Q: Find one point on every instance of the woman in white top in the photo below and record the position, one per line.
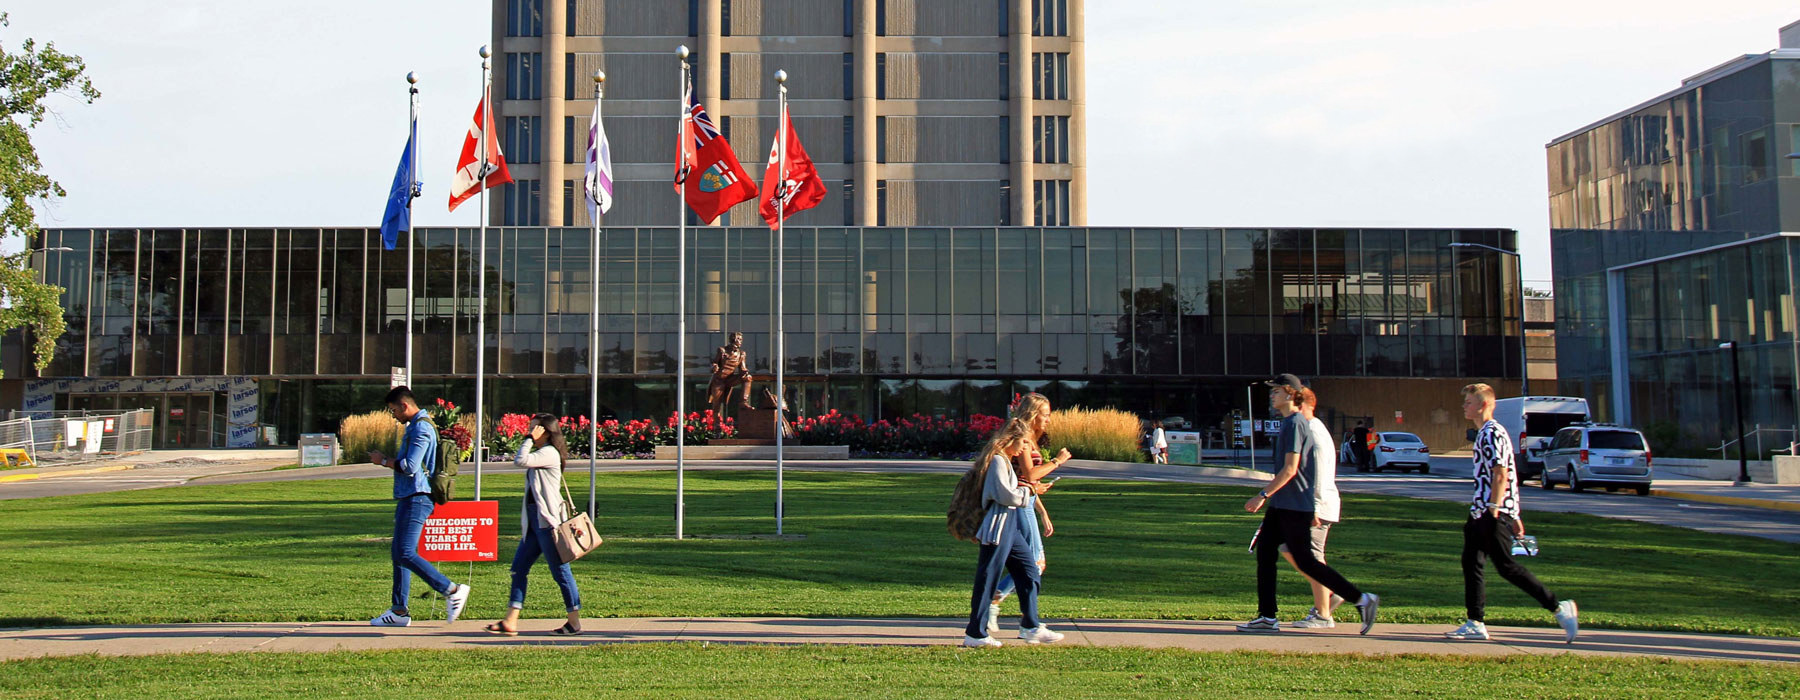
(543, 456)
(1159, 444)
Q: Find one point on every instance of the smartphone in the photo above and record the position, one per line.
(1051, 480)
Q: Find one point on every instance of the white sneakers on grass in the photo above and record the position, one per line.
(1039, 635)
(1470, 631)
(1314, 620)
(1570, 620)
(390, 619)
(1567, 617)
(455, 602)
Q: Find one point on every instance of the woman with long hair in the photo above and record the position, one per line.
(543, 457)
(1009, 467)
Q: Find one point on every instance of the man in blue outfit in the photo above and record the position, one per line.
(413, 468)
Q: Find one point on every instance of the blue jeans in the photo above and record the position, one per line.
(539, 541)
(409, 518)
(1010, 554)
(1034, 542)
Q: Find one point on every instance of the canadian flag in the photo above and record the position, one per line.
(801, 188)
(467, 180)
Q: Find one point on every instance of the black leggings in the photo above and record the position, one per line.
(1294, 529)
(1487, 538)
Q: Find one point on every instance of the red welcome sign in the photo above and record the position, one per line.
(462, 531)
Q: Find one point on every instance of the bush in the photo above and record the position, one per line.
(916, 436)
(375, 430)
(1104, 434)
(635, 438)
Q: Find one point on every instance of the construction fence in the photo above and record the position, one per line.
(46, 438)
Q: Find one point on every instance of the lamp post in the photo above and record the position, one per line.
(1737, 407)
(1524, 363)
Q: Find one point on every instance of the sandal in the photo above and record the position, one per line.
(567, 630)
(502, 630)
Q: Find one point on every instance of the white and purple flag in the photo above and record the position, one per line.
(599, 167)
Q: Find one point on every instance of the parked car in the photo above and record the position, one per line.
(1598, 454)
(1401, 451)
(1532, 421)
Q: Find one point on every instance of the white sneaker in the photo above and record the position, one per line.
(982, 643)
(1314, 620)
(1368, 606)
(1570, 619)
(993, 619)
(1336, 600)
(454, 603)
(1469, 631)
(1261, 624)
(1039, 635)
(389, 619)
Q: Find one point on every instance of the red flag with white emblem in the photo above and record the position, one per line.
(791, 177)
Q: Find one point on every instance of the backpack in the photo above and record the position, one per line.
(965, 514)
(443, 479)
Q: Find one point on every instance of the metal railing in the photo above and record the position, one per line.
(72, 437)
(1757, 434)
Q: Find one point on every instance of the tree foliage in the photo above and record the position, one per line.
(28, 77)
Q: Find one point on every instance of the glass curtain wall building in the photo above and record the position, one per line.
(1701, 166)
(882, 322)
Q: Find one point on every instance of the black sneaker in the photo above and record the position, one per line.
(1261, 625)
(1368, 606)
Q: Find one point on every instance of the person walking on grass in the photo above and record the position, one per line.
(1326, 509)
(543, 456)
(1291, 497)
(986, 509)
(1494, 520)
(413, 468)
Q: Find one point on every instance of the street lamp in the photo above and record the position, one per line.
(1524, 364)
(1737, 407)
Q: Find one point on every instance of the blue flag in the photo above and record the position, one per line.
(398, 216)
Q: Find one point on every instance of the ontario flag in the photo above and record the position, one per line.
(468, 180)
(706, 169)
(791, 178)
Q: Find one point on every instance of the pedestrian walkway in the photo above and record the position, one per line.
(1181, 634)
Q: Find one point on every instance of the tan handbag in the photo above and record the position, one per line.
(575, 536)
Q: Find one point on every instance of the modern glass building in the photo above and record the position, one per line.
(1675, 313)
(291, 329)
(1701, 166)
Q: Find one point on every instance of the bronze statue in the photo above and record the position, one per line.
(731, 369)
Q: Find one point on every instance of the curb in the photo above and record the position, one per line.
(72, 472)
(1729, 500)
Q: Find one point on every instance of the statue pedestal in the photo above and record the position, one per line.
(757, 424)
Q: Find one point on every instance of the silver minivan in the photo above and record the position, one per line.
(1598, 455)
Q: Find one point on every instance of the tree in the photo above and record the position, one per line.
(27, 78)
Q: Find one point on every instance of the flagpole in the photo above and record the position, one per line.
(481, 162)
(412, 190)
(681, 317)
(780, 285)
(594, 309)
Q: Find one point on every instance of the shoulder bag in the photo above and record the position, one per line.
(575, 536)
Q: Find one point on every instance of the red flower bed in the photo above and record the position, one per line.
(913, 436)
(630, 438)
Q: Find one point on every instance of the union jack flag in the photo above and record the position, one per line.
(696, 129)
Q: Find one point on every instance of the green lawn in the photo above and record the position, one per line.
(871, 545)
(688, 670)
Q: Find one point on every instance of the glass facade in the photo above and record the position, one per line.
(1675, 314)
(1699, 167)
(880, 321)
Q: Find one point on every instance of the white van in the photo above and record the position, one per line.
(1532, 421)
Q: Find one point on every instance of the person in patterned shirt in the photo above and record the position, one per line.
(1494, 520)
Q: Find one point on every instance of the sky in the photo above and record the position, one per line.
(1286, 113)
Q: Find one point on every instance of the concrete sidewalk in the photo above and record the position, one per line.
(1193, 635)
(1725, 493)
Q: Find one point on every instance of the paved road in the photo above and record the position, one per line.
(1448, 481)
(1183, 634)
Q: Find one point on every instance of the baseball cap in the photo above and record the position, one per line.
(1287, 380)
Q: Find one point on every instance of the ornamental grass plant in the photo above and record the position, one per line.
(375, 430)
(1098, 433)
